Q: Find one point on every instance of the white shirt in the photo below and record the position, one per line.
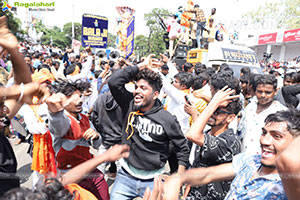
(254, 123)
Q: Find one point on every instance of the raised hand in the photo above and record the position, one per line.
(147, 63)
(223, 97)
(34, 89)
(7, 40)
(57, 102)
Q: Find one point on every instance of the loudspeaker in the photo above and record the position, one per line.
(181, 51)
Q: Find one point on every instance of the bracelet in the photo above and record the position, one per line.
(22, 93)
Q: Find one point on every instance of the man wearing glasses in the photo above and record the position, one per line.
(217, 145)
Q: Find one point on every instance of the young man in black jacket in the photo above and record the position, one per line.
(147, 129)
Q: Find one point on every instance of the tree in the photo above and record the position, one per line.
(291, 15)
(67, 29)
(111, 40)
(156, 44)
(14, 24)
(285, 14)
(140, 44)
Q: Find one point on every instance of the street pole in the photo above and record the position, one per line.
(73, 35)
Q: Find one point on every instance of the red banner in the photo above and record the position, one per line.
(267, 38)
(291, 35)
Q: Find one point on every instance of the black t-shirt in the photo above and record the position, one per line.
(215, 150)
(8, 166)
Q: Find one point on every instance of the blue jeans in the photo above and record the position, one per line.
(129, 187)
(200, 28)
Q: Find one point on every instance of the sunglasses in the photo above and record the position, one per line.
(219, 111)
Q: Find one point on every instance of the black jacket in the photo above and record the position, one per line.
(152, 130)
(107, 119)
(290, 94)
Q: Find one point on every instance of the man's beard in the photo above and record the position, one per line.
(268, 166)
(138, 107)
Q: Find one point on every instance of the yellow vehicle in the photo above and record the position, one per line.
(197, 56)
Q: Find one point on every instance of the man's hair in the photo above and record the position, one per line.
(266, 79)
(41, 66)
(244, 79)
(199, 68)
(70, 69)
(291, 117)
(226, 69)
(53, 190)
(164, 67)
(67, 87)
(245, 70)
(196, 6)
(234, 107)
(221, 79)
(28, 56)
(187, 67)
(47, 57)
(210, 71)
(54, 63)
(292, 76)
(185, 79)
(199, 80)
(151, 77)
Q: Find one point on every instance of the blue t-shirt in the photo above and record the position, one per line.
(243, 187)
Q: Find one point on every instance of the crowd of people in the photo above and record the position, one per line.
(219, 136)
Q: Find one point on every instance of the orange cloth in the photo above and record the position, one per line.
(43, 156)
(186, 16)
(80, 193)
(43, 159)
(42, 76)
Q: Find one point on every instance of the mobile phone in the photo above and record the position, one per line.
(187, 99)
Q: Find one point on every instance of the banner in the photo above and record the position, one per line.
(239, 55)
(291, 35)
(94, 31)
(267, 38)
(123, 22)
(130, 37)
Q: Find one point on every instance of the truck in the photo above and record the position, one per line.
(235, 56)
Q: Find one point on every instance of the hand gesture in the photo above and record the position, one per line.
(223, 98)
(147, 63)
(90, 134)
(7, 40)
(164, 58)
(57, 102)
(33, 89)
(190, 109)
(172, 187)
(157, 193)
(117, 151)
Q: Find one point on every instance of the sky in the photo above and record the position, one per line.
(228, 11)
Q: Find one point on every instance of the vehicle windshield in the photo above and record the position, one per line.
(237, 68)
